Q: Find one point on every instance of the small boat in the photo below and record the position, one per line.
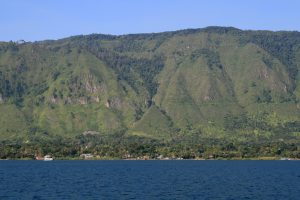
(48, 158)
(284, 158)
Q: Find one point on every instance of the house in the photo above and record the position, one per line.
(86, 156)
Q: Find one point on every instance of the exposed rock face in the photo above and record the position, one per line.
(90, 87)
(1, 99)
(81, 89)
(96, 99)
(114, 102)
(82, 101)
(53, 100)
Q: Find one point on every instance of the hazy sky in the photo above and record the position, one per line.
(52, 19)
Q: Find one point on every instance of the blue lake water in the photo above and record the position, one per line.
(185, 179)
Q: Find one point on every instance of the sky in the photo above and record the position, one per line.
(33, 20)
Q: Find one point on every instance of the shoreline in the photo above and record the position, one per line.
(118, 159)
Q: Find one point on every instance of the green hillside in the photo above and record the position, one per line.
(212, 83)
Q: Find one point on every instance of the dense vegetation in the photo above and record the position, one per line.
(216, 91)
(122, 147)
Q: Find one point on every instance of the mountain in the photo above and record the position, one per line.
(215, 82)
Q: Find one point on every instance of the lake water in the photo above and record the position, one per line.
(185, 179)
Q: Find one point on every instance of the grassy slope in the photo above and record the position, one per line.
(153, 124)
(101, 83)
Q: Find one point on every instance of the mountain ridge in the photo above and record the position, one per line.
(213, 81)
(207, 28)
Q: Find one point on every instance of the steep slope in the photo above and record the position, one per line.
(213, 81)
(154, 123)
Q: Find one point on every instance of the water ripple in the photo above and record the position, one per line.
(149, 180)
